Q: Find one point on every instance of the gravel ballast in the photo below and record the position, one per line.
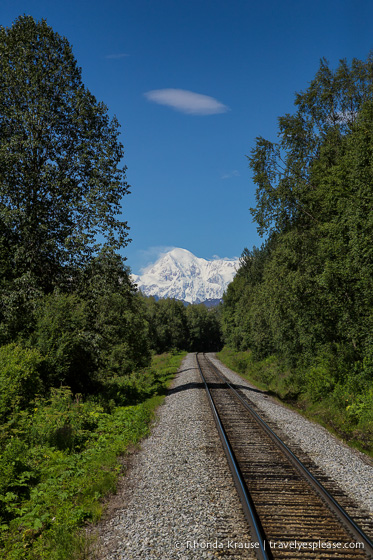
(349, 468)
(178, 501)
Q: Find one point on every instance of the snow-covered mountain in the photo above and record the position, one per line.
(181, 275)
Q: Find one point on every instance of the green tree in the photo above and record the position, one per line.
(167, 324)
(242, 326)
(95, 333)
(308, 291)
(203, 328)
(117, 314)
(64, 335)
(61, 182)
(284, 171)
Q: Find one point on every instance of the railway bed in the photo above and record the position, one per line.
(290, 513)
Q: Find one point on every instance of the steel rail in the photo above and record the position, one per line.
(246, 501)
(333, 505)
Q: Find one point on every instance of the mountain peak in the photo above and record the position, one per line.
(181, 275)
(177, 252)
(179, 255)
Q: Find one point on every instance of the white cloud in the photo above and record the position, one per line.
(116, 56)
(186, 101)
(217, 258)
(233, 173)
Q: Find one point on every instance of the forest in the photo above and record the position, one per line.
(85, 358)
(299, 310)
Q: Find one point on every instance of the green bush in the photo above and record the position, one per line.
(62, 421)
(15, 478)
(64, 336)
(59, 459)
(118, 360)
(21, 371)
(320, 381)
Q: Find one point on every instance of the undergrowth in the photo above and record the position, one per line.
(343, 404)
(60, 459)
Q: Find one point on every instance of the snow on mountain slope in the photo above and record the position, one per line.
(181, 275)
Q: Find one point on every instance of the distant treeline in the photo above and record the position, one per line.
(306, 296)
(84, 335)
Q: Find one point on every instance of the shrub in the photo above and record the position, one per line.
(64, 336)
(15, 477)
(62, 421)
(320, 381)
(21, 371)
(361, 410)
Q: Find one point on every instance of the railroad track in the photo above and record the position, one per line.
(290, 513)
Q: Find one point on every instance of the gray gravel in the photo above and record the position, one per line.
(349, 468)
(178, 499)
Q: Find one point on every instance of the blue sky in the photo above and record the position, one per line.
(193, 83)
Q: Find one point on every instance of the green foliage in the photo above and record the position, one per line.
(307, 292)
(168, 324)
(60, 458)
(21, 377)
(320, 380)
(61, 190)
(172, 325)
(97, 332)
(15, 479)
(361, 408)
(204, 328)
(283, 172)
(75, 335)
(268, 373)
(61, 183)
(117, 315)
(63, 420)
(138, 386)
(64, 336)
(241, 323)
(18, 301)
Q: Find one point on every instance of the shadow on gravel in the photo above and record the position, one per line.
(251, 389)
(186, 387)
(185, 370)
(189, 386)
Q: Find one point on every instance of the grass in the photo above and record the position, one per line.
(344, 412)
(61, 459)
